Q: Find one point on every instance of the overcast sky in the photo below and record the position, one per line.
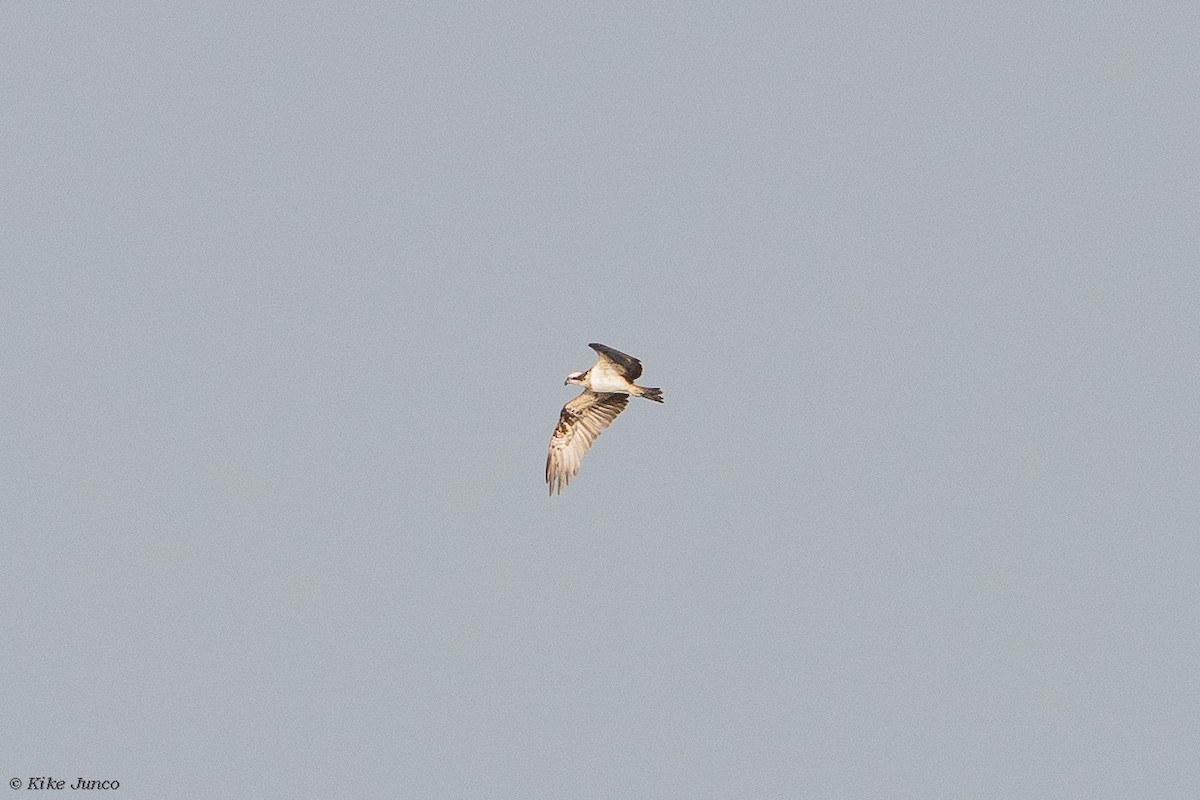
(289, 294)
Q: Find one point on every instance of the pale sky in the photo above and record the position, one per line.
(289, 295)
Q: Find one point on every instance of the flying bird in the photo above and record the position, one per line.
(607, 387)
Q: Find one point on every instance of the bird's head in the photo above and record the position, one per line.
(574, 377)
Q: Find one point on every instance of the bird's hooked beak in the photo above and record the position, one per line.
(574, 377)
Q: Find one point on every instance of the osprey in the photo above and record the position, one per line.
(607, 386)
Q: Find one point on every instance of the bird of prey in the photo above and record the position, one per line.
(607, 387)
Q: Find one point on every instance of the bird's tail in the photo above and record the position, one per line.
(650, 393)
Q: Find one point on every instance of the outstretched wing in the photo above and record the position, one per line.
(626, 365)
(579, 424)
